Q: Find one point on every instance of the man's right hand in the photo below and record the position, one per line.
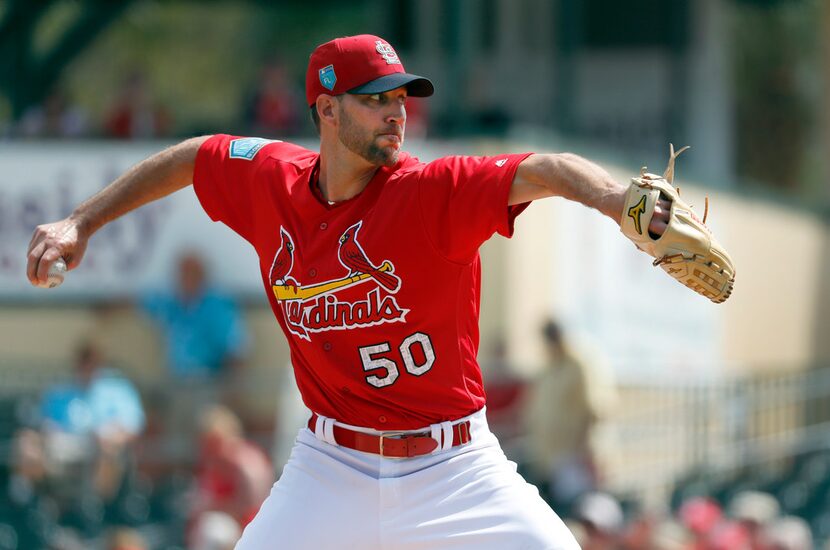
(149, 180)
(63, 239)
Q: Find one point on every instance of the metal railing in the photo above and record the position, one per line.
(663, 431)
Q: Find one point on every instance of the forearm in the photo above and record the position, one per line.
(149, 180)
(572, 177)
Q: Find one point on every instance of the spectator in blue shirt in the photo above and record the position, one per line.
(97, 402)
(206, 342)
(90, 422)
(203, 330)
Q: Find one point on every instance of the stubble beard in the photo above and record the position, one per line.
(359, 142)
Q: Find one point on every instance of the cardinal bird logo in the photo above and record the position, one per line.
(319, 306)
(353, 257)
(283, 260)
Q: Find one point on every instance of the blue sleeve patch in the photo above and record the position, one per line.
(247, 148)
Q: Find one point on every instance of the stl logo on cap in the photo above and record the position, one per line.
(387, 52)
(327, 77)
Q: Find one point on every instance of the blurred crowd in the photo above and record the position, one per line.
(552, 425)
(135, 111)
(104, 464)
(131, 113)
(752, 521)
(273, 107)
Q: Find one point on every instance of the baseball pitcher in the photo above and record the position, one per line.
(369, 259)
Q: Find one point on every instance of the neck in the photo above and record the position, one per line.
(343, 174)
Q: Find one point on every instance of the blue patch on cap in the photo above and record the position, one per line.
(327, 77)
(247, 148)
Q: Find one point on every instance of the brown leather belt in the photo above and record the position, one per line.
(394, 444)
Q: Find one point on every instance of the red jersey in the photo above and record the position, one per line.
(378, 295)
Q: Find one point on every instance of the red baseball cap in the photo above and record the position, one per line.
(363, 64)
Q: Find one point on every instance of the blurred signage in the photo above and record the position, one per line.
(43, 182)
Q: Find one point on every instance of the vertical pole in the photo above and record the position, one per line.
(825, 78)
(568, 31)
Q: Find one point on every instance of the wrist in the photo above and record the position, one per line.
(615, 203)
(83, 222)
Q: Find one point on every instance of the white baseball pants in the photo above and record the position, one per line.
(468, 497)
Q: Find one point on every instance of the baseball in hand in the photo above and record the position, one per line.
(55, 275)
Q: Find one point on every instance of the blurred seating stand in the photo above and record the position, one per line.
(759, 428)
(151, 500)
(20, 388)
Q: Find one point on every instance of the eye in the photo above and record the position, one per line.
(374, 97)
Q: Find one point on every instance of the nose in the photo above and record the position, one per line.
(397, 114)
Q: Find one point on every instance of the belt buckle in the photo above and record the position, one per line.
(390, 435)
(464, 433)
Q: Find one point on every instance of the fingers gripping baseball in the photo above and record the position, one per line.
(51, 242)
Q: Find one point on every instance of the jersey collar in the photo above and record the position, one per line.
(372, 188)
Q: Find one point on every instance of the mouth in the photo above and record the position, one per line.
(394, 138)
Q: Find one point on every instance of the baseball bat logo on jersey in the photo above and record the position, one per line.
(354, 259)
(316, 308)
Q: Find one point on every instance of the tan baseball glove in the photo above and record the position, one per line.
(686, 250)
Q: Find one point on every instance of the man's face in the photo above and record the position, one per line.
(372, 125)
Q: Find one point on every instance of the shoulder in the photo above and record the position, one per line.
(445, 172)
(406, 167)
(450, 166)
(257, 150)
(410, 174)
(474, 171)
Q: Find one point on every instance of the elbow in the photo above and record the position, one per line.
(561, 162)
(548, 170)
(551, 173)
(537, 168)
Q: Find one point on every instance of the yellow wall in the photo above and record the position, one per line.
(776, 318)
(770, 320)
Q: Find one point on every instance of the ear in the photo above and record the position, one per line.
(327, 108)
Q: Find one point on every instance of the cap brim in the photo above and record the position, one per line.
(416, 86)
